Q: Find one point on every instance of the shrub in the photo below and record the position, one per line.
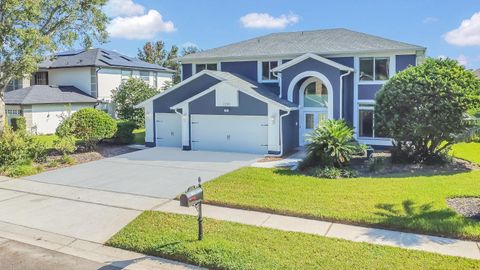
(129, 94)
(23, 169)
(424, 109)
(331, 144)
(66, 159)
(124, 134)
(19, 147)
(89, 125)
(19, 124)
(333, 172)
(377, 164)
(65, 145)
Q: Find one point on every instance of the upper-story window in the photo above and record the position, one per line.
(266, 71)
(145, 76)
(200, 67)
(374, 68)
(126, 74)
(40, 78)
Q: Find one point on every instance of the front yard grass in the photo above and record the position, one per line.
(416, 203)
(228, 245)
(467, 151)
(139, 136)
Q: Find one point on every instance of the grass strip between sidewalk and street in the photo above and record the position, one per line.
(229, 245)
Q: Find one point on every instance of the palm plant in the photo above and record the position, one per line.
(332, 144)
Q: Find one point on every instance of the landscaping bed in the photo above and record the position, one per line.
(228, 245)
(414, 203)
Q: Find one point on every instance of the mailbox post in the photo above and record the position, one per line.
(194, 197)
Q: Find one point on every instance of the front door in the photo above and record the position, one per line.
(309, 120)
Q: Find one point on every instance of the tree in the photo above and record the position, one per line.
(189, 50)
(129, 94)
(31, 29)
(153, 53)
(172, 63)
(424, 109)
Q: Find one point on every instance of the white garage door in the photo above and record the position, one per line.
(230, 133)
(168, 129)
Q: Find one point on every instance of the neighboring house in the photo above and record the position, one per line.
(94, 72)
(266, 94)
(45, 106)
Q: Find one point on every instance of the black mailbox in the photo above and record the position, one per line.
(193, 196)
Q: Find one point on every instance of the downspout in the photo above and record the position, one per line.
(281, 136)
(276, 74)
(341, 92)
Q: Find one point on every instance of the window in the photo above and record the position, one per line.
(366, 127)
(374, 68)
(126, 74)
(315, 95)
(200, 67)
(14, 112)
(40, 78)
(267, 74)
(309, 121)
(145, 76)
(14, 85)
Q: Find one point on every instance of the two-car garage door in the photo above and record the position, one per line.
(233, 133)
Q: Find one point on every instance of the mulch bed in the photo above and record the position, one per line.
(103, 150)
(467, 207)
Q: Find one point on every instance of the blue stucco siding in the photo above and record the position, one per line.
(244, 68)
(247, 105)
(186, 71)
(162, 104)
(368, 91)
(403, 61)
(290, 131)
(332, 74)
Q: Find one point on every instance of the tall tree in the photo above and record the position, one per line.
(153, 53)
(189, 50)
(31, 29)
(172, 63)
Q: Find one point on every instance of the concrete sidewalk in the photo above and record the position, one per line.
(440, 245)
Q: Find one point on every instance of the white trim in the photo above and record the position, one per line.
(341, 92)
(356, 66)
(182, 83)
(324, 80)
(295, 55)
(260, 71)
(312, 56)
(251, 93)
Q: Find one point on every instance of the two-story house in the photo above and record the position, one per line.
(266, 94)
(76, 79)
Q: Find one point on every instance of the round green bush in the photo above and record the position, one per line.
(424, 109)
(89, 125)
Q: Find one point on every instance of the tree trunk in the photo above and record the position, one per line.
(2, 113)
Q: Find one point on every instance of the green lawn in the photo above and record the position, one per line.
(139, 136)
(467, 151)
(405, 203)
(229, 245)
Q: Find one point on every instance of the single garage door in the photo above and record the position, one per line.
(168, 129)
(232, 133)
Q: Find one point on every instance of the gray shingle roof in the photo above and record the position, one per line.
(323, 42)
(242, 82)
(98, 58)
(45, 94)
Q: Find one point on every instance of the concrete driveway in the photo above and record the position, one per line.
(159, 172)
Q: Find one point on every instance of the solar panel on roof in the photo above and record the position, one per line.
(68, 53)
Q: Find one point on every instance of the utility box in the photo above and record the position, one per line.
(193, 196)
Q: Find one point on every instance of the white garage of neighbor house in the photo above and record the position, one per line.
(44, 106)
(217, 111)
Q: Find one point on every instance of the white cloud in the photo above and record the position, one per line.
(265, 20)
(430, 20)
(462, 60)
(115, 8)
(189, 44)
(139, 27)
(468, 33)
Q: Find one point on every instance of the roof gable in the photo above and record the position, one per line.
(315, 57)
(293, 44)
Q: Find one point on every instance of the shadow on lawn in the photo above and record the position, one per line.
(420, 218)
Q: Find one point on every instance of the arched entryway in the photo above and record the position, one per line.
(315, 99)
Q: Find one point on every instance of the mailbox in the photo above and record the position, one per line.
(193, 196)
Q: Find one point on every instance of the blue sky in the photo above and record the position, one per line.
(213, 23)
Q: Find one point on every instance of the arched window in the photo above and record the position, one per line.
(315, 95)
